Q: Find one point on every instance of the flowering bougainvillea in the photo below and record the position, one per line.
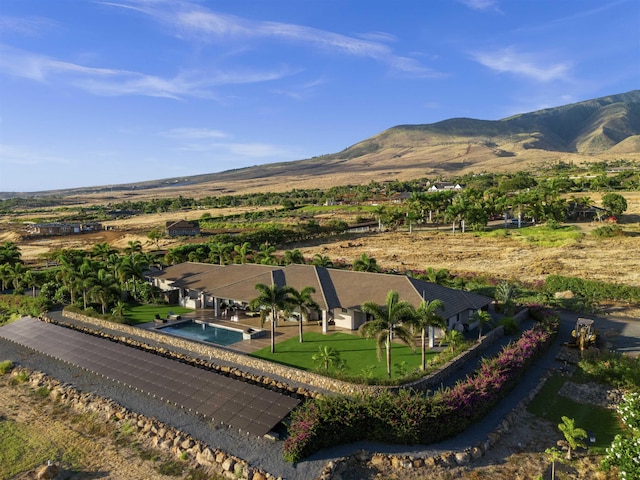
(413, 418)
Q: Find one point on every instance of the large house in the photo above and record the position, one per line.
(182, 228)
(339, 293)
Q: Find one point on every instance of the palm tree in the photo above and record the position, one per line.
(294, 256)
(505, 294)
(9, 253)
(133, 247)
(452, 338)
(386, 324)
(265, 254)
(439, 276)
(131, 269)
(572, 434)
(30, 280)
(105, 288)
(426, 317)
(321, 260)
(219, 252)
(85, 279)
(483, 318)
(5, 274)
(327, 356)
(365, 263)
(242, 252)
(102, 251)
(273, 298)
(303, 301)
(119, 309)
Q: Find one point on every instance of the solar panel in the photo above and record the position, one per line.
(229, 401)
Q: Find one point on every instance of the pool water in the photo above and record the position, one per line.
(205, 332)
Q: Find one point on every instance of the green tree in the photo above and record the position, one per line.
(293, 256)
(387, 324)
(102, 251)
(554, 455)
(242, 252)
(9, 253)
(365, 263)
(265, 255)
(133, 247)
(453, 338)
(105, 289)
(483, 318)
(505, 294)
(303, 301)
(427, 317)
(614, 203)
(322, 260)
(572, 434)
(272, 298)
(154, 237)
(219, 252)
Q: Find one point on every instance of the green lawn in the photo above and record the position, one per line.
(358, 352)
(146, 313)
(602, 422)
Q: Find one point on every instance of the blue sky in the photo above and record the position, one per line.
(111, 92)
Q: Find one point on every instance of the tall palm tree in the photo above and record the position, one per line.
(304, 303)
(219, 252)
(505, 295)
(426, 317)
(9, 253)
(387, 324)
(131, 269)
(5, 275)
(133, 247)
(86, 278)
(102, 251)
(105, 288)
(274, 298)
(365, 263)
(483, 318)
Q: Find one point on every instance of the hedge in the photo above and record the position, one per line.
(410, 417)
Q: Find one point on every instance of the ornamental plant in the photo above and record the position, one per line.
(624, 451)
(409, 417)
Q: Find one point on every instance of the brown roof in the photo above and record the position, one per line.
(335, 288)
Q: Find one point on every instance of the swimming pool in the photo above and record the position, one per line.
(205, 332)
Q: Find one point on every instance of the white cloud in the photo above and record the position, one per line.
(194, 133)
(196, 22)
(113, 82)
(25, 26)
(481, 4)
(508, 60)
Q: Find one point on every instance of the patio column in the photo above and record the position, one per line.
(325, 322)
(216, 306)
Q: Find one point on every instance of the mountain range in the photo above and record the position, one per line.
(605, 128)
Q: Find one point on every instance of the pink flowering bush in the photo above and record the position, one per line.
(409, 417)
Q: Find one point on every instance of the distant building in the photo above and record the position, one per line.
(182, 228)
(61, 228)
(441, 186)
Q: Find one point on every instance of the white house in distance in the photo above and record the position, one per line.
(339, 293)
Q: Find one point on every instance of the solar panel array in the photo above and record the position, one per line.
(224, 400)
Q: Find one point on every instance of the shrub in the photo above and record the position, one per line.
(510, 326)
(624, 451)
(612, 368)
(409, 417)
(608, 231)
(6, 366)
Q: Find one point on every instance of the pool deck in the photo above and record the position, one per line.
(284, 330)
